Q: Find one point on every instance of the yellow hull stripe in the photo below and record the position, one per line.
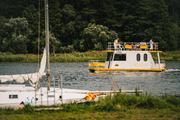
(110, 69)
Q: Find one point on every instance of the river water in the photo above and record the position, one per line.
(77, 76)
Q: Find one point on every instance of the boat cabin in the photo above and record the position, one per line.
(130, 57)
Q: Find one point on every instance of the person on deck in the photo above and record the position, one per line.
(116, 43)
(124, 46)
(155, 47)
(151, 44)
(137, 46)
(132, 45)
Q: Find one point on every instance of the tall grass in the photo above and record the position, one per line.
(11, 59)
(75, 57)
(171, 55)
(122, 101)
(27, 109)
(118, 101)
(60, 57)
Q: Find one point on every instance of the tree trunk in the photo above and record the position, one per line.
(173, 8)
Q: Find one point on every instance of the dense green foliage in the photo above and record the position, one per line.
(16, 32)
(81, 25)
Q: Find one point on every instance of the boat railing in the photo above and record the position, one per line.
(160, 65)
(56, 83)
(97, 63)
(134, 46)
(161, 62)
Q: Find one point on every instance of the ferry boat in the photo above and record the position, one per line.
(131, 56)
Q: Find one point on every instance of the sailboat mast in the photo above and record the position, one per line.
(47, 40)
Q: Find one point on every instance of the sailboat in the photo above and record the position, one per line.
(15, 94)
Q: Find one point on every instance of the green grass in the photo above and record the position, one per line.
(76, 57)
(60, 57)
(117, 106)
(171, 55)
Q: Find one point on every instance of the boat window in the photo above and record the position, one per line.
(138, 57)
(145, 57)
(109, 56)
(120, 57)
(13, 96)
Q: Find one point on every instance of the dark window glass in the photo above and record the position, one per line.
(145, 57)
(120, 57)
(109, 56)
(138, 57)
(13, 96)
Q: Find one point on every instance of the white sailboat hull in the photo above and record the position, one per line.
(13, 95)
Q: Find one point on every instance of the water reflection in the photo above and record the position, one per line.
(77, 76)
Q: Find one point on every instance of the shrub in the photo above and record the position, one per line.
(28, 109)
(68, 49)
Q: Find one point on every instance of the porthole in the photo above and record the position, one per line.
(138, 57)
(13, 96)
(145, 57)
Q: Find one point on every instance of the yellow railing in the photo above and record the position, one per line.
(96, 64)
(128, 46)
(143, 46)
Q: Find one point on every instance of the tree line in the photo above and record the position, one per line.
(82, 25)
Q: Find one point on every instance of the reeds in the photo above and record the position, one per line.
(171, 55)
(76, 57)
(118, 101)
(11, 59)
(27, 109)
(60, 57)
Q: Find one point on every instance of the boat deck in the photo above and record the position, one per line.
(133, 46)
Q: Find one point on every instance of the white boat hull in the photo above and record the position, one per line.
(21, 92)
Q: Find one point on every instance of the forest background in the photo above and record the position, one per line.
(85, 25)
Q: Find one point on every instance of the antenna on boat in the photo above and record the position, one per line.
(47, 41)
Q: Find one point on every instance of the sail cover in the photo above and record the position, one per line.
(32, 77)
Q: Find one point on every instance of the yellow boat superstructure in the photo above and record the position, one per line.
(129, 58)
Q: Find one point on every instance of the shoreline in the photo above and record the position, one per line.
(74, 57)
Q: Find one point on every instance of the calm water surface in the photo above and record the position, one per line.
(76, 76)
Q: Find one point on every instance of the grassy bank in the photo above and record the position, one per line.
(59, 57)
(75, 57)
(171, 56)
(119, 106)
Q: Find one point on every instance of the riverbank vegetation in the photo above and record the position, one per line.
(60, 57)
(171, 55)
(117, 106)
(76, 56)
